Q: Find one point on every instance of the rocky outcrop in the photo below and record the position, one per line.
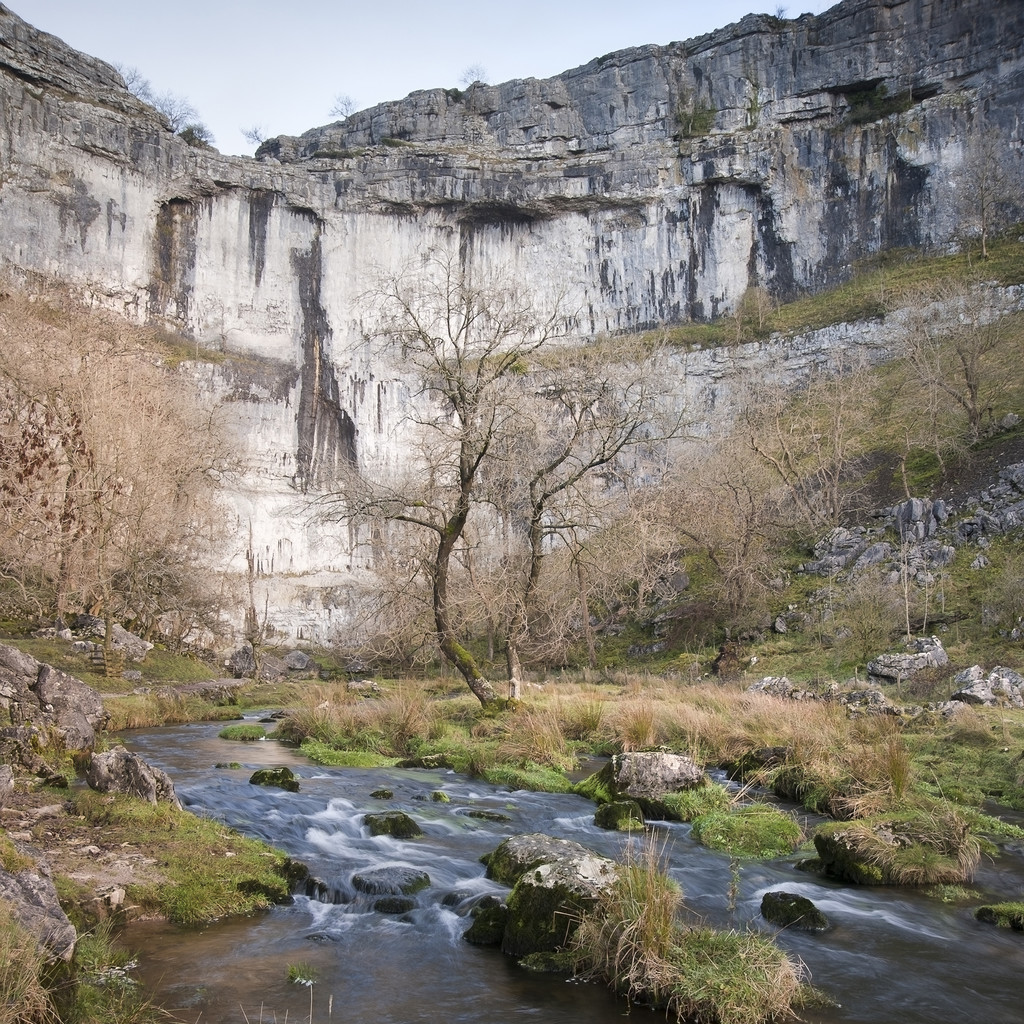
(33, 901)
(120, 771)
(650, 186)
(1002, 687)
(923, 652)
(37, 696)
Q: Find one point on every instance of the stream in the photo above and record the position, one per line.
(890, 955)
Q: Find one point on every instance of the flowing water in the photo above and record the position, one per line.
(891, 954)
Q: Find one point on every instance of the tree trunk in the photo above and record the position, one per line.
(455, 653)
(588, 632)
(515, 670)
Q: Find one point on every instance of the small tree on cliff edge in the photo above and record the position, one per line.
(463, 348)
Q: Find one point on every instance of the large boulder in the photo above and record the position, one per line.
(121, 771)
(1001, 686)
(646, 776)
(32, 693)
(554, 882)
(924, 652)
(33, 901)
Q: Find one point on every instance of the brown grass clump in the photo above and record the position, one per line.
(635, 941)
(23, 996)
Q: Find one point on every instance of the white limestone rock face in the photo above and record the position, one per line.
(599, 192)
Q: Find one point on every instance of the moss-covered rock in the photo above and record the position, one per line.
(645, 776)
(431, 761)
(391, 880)
(283, 778)
(488, 815)
(394, 905)
(619, 816)
(547, 903)
(554, 881)
(382, 794)
(440, 797)
(488, 925)
(790, 910)
(1005, 915)
(392, 823)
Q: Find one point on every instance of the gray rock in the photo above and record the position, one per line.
(1000, 687)
(33, 692)
(35, 906)
(925, 652)
(554, 881)
(649, 774)
(774, 686)
(298, 661)
(121, 771)
(6, 784)
(874, 555)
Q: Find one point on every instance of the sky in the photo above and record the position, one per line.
(278, 65)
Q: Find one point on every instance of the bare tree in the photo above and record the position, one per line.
(584, 418)
(986, 186)
(954, 339)
(473, 73)
(464, 347)
(135, 82)
(107, 495)
(255, 135)
(343, 106)
(810, 440)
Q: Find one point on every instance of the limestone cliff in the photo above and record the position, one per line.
(651, 185)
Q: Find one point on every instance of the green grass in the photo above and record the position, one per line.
(323, 753)
(867, 294)
(751, 830)
(211, 871)
(693, 803)
(530, 776)
(246, 733)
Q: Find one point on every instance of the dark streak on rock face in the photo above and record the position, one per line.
(261, 203)
(326, 432)
(174, 264)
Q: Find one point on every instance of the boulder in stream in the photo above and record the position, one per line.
(283, 778)
(620, 816)
(390, 880)
(791, 910)
(392, 823)
(554, 881)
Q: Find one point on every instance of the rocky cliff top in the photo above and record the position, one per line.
(759, 71)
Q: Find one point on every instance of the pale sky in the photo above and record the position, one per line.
(279, 65)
